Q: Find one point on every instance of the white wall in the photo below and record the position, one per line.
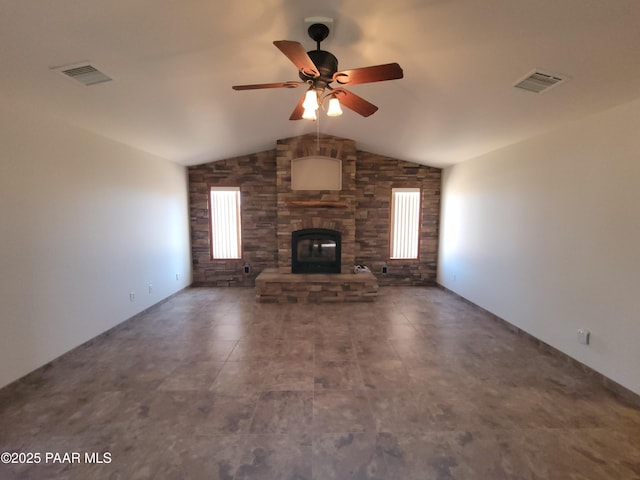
(84, 221)
(546, 234)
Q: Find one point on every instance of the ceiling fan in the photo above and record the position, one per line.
(319, 69)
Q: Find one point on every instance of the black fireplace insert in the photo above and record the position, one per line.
(315, 250)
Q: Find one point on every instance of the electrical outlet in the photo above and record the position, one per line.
(132, 296)
(584, 336)
(177, 276)
(150, 288)
(384, 269)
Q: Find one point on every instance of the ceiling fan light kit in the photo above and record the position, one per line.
(319, 69)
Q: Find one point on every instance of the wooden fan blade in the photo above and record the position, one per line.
(298, 55)
(267, 85)
(299, 110)
(377, 73)
(354, 102)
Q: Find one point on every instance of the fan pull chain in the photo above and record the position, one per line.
(318, 135)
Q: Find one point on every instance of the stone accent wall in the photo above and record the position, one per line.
(377, 175)
(291, 218)
(268, 218)
(256, 176)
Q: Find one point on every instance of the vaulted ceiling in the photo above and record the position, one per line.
(173, 63)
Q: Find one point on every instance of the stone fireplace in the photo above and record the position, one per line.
(316, 209)
(316, 231)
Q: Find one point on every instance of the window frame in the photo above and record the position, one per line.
(233, 188)
(404, 188)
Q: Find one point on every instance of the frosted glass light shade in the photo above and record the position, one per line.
(310, 100)
(334, 107)
(309, 114)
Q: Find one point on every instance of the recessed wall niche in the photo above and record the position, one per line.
(316, 173)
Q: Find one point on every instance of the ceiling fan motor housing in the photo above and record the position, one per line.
(327, 65)
(325, 62)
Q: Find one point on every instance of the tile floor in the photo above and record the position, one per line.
(419, 385)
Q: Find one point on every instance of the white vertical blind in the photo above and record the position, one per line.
(225, 222)
(405, 222)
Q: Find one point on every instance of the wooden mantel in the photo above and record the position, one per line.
(317, 203)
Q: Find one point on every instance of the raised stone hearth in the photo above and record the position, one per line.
(275, 287)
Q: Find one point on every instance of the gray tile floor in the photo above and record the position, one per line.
(419, 385)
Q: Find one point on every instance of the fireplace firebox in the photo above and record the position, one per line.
(315, 250)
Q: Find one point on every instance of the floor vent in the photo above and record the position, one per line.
(84, 73)
(538, 82)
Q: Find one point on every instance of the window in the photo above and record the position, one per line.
(405, 222)
(225, 222)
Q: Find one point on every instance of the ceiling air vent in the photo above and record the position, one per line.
(84, 73)
(538, 82)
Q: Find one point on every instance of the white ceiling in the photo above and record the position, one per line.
(174, 61)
